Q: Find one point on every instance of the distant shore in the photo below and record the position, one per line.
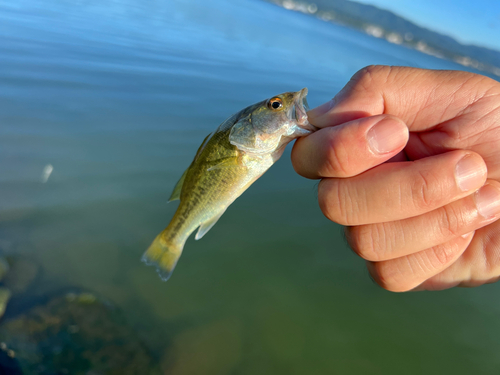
(384, 24)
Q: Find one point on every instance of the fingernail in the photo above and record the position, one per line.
(487, 201)
(387, 135)
(321, 110)
(470, 172)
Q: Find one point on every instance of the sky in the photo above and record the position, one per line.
(468, 21)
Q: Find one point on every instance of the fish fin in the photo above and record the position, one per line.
(163, 256)
(225, 163)
(202, 146)
(207, 225)
(228, 122)
(176, 194)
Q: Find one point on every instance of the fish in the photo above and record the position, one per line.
(227, 162)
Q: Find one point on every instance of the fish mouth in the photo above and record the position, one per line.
(299, 110)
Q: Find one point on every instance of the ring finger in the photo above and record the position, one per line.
(389, 240)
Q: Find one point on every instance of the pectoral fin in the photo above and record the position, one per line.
(225, 163)
(207, 225)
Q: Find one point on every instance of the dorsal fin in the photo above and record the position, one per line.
(176, 194)
(202, 146)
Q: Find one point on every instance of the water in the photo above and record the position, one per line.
(116, 96)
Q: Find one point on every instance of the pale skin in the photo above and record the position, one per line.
(409, 162)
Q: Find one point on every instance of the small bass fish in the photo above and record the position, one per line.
(226, 164)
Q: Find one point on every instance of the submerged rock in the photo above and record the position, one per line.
(76, 334)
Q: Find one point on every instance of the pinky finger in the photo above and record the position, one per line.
(478, 265)
(411, 271)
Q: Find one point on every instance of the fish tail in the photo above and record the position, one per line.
(163, 256)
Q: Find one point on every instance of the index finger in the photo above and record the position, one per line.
(416, 96)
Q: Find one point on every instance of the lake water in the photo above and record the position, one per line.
(117, 96)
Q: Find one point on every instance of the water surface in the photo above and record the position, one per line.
(117, 97)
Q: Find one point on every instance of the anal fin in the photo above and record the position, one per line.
(207, 225)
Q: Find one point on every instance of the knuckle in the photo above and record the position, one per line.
(337, 159)
(335, 201)
(443, 255)
(367, 75)
(388, 277)
(451, 222)
(424, 190)
(492, 255)
(487, 266)
(362, 240)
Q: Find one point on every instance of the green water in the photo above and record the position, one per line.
(117, 96)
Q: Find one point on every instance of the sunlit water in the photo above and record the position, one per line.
(116, 96)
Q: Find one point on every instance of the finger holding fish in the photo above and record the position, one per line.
(349, 149)
(429, 220)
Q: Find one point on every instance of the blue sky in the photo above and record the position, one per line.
(468, 21)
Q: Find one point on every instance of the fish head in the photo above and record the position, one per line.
(272, 123)
(282, 111)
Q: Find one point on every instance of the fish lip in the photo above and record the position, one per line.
(299, 111)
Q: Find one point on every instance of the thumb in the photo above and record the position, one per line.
(349, 149)
(416, 96)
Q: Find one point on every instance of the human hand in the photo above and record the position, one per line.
(410, 164)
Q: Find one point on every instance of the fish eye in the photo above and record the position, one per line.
(275, 104)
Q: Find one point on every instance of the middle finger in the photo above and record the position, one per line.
(395, 191)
